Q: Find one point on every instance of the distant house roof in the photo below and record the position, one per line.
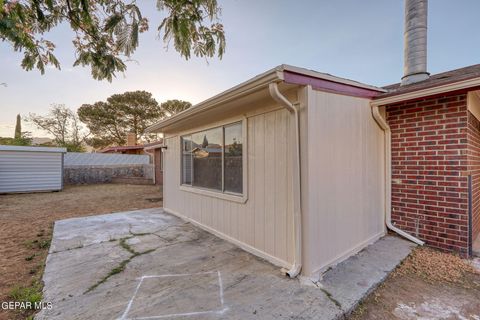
(439, 79)
(121, 148)
(137, 147)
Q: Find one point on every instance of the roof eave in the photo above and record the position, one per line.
(331, 78)
(245, 88)
(426, 92)
(256, 84)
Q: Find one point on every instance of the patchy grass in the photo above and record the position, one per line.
(38, 243)
(30, 257)
(44, 244)
(31, 294)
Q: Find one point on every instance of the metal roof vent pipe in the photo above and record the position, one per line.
(415, 38)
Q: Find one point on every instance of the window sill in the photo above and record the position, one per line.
(215, 194)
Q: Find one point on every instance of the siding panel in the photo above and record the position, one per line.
(264, 221)
(345, 179)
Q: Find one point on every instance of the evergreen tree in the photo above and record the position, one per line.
(205, 142)
(171, 107)
(18, 127)
(109, 121)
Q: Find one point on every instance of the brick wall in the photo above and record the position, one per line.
(429, 166)
(474, 169)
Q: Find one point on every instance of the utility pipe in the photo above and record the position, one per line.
(415, 39)
(388, 177)
(297, 214)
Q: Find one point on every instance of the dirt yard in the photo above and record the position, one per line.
(428, 285)
(26, 224)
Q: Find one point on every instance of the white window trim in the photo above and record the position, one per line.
(225, 195)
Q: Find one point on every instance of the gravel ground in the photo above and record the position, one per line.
(26, 224)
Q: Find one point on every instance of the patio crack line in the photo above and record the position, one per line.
(123, 264)
(133, 234)
(330, 297)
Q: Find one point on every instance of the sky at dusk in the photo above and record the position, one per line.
(359, 40)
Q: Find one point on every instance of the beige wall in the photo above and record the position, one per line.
(262, 222)
(344, 207)
(342, 181)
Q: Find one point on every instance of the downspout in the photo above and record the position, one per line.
(388, 177)
(297, 214)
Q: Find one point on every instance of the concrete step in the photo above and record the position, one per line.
(132, 180)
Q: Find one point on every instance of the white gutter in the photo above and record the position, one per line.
(297, 214)
(388, 176)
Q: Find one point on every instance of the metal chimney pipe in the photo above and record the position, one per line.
(415, 38)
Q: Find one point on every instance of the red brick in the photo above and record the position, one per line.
(432, 148)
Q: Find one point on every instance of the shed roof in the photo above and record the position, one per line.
(32, 149)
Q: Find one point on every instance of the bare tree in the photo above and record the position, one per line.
(64, 125)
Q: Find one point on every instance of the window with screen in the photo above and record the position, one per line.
(213, 159)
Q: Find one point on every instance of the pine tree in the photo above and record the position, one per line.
(18, 128)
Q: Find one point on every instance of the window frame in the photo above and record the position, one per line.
(222, 194)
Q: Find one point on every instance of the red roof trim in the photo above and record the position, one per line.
(122, 148)
(330, 86)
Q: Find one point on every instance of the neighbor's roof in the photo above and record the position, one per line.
(436, 80)
(283, 73)
(121, 148)
(137, 147)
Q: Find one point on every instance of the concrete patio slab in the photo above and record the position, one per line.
(352, 280)
(148, 264)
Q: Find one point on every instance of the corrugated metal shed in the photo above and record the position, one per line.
(30, 169)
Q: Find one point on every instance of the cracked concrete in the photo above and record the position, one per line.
(353, 279)
(191, 274)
